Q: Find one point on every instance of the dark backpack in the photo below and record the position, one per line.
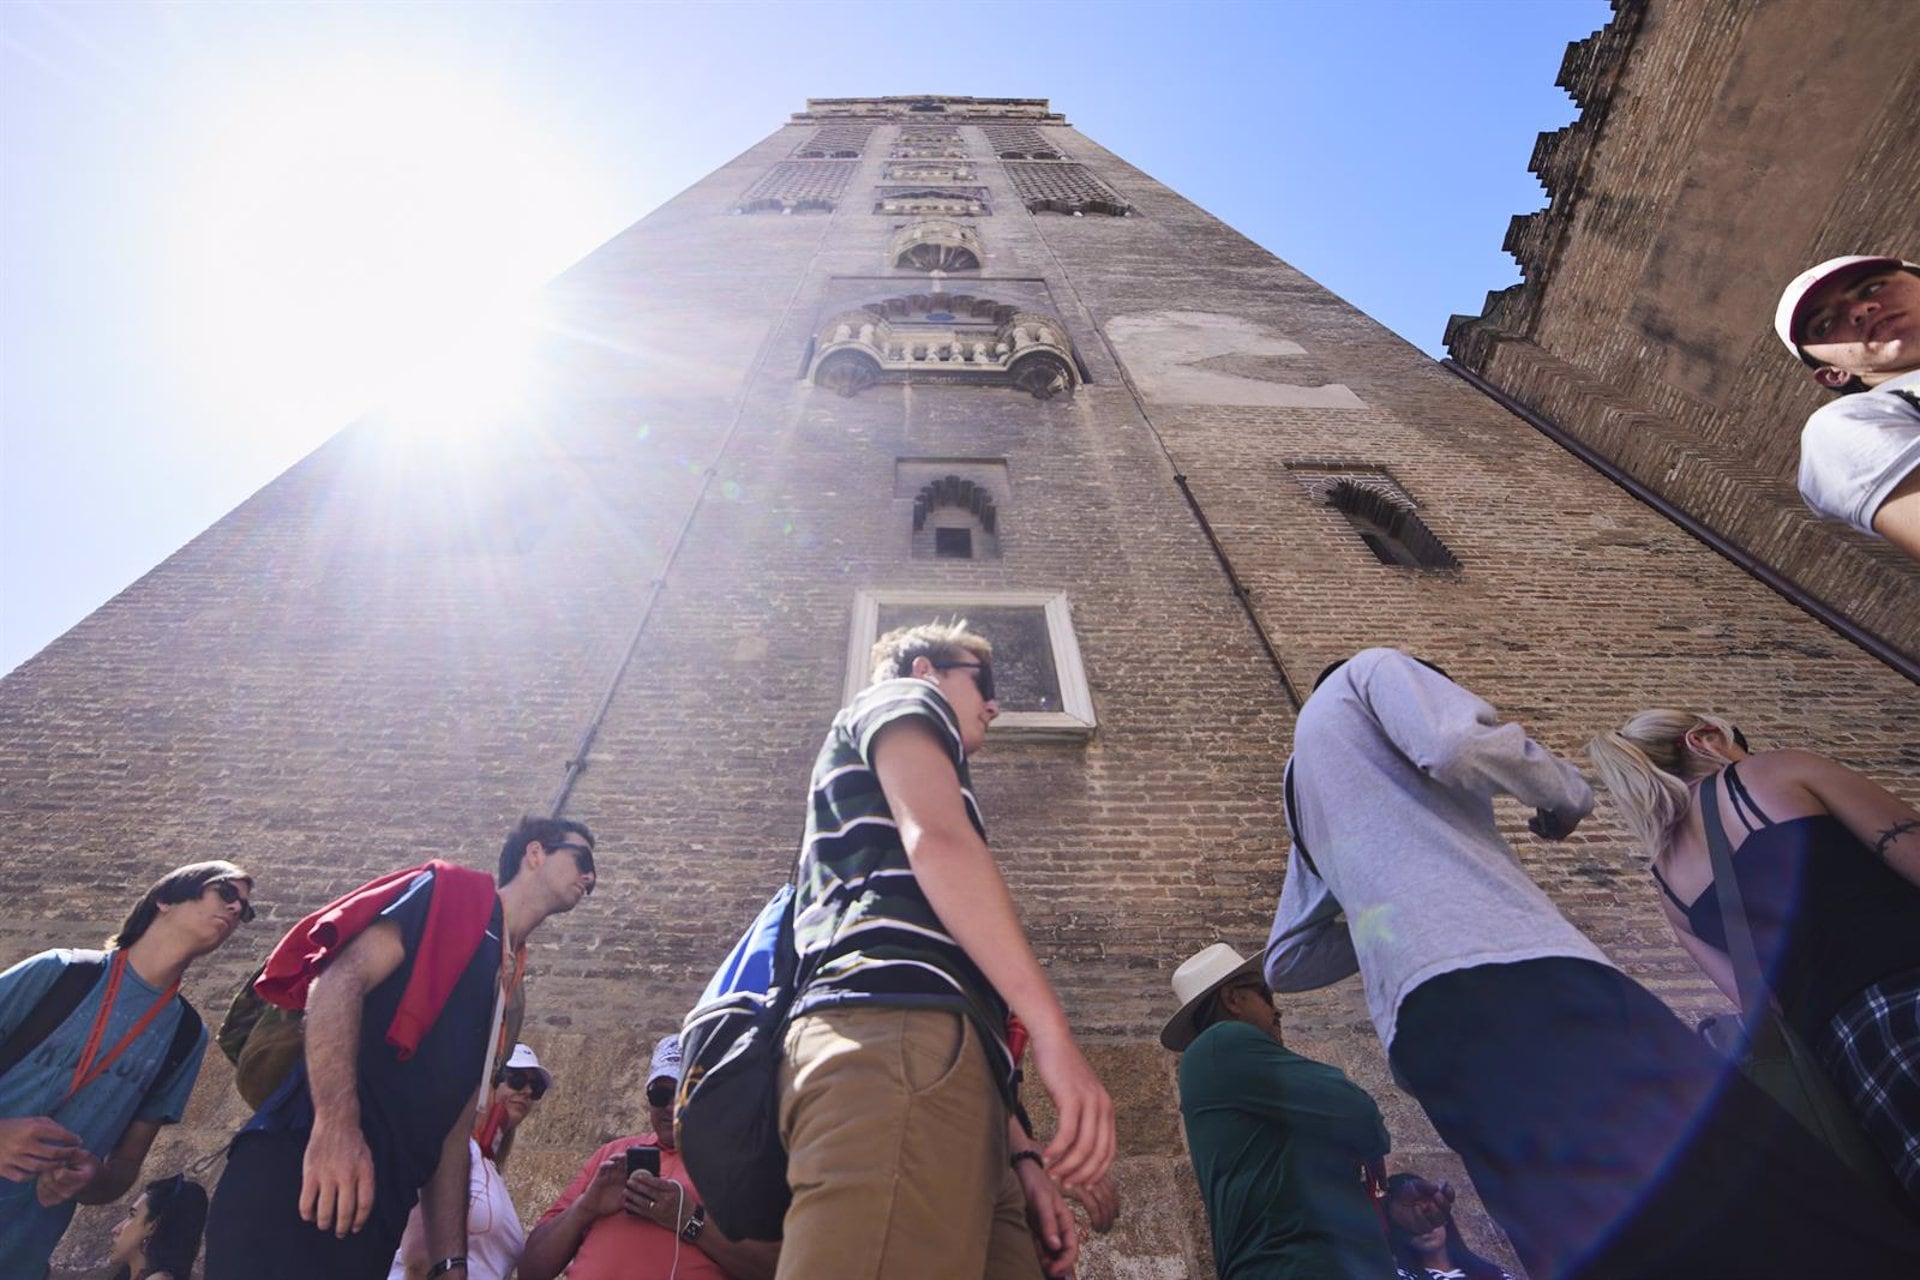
(85, 970)
(727, 1117)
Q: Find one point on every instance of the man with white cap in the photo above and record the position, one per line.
(495, 1237)
(619, 1220)
(1287, 1150)
(1855, 322)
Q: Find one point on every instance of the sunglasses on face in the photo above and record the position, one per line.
(229, 894)
(527, 1081)
(582, 858)
(982, 675)
(660, 1095)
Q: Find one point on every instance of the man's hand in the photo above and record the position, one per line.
(609, 1183)
(65, 1181)
(661, 1201)
(1551, 826)
(1419, 1206)
(1056, 1237)
(1082, 1146)
(31, 1145)
(1101, 1200)
(336, 1180)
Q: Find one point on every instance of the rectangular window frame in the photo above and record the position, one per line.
(1075, 721)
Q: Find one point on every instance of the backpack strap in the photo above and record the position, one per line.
(186, 1034)
(1910, 396)
(1293, 821)
(55, 1005)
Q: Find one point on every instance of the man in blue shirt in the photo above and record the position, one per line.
(80, 1108)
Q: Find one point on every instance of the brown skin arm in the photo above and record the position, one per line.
(552, 1244)
(122, 1168)
(336, 1187)
(443, 1201)
(1898, 519)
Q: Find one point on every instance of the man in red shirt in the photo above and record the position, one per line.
(613, 1225)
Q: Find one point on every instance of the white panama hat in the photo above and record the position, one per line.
(1197, 978)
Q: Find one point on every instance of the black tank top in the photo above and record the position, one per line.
(1829, 916)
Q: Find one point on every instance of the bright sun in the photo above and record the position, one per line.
(366, 234)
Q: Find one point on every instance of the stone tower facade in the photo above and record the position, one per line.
(904, 357)
(1721, 150)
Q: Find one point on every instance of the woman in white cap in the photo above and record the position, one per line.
(1287, 1150)
(495, 1238)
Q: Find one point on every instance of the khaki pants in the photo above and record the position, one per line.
(897, 1152)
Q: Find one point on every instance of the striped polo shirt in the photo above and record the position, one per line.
(860, 920)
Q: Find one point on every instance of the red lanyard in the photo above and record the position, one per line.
(87, 1070)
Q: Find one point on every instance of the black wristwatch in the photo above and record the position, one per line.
(695, 1225)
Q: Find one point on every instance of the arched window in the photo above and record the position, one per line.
(1391, 530)
(955, 519)
(935, 246)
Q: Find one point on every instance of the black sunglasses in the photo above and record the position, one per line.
(660, 1095)
(532, 1081)
(582, 858)
(982, 675)
(230, 893)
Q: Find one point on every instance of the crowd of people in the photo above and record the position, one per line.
(1604, 1136)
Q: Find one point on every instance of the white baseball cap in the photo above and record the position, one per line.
(1197, 978)
(523, 1059)
(1812, 278)
(666, 1060)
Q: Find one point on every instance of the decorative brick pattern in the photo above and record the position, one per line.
(929, 144)
(835, 142)
(1064, 188)
(1020, 142)
(797, 185)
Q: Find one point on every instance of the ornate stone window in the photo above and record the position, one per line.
(936, 245)
(1019, 142)
(941, 338)
(951, 202)
(798, 186)
(1380, 512)
(835, 142)
(1039, 680)
(954, 518)
(1065, 188)
(924, 171)
(929, 144)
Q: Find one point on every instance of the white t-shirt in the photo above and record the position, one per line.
(1857, 449)
(495, 1238)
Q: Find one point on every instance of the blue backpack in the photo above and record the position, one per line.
(727, 1116)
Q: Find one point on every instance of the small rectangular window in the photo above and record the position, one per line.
(953, 544)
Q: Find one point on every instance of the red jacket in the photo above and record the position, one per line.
(457, 918)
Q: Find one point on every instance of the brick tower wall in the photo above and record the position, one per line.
(393, 650)
(1721, 150)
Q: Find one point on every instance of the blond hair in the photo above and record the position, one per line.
(1645, 766)
(894, 652)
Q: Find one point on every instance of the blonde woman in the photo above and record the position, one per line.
(1829, 869)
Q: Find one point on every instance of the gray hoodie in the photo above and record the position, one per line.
(1395, 771)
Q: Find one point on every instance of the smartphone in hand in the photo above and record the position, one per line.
(647, 1158)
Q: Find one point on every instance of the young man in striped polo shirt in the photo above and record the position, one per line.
(897, 1084)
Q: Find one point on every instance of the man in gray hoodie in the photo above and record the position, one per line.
(1606, 1138)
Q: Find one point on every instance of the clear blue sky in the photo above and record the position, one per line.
(226, 228)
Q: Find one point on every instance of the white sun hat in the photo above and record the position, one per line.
(1197, 978)
(523, 1059)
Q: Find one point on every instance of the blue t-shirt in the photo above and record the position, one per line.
(101, 1112)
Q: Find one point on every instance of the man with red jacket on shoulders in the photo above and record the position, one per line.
(399, 981)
